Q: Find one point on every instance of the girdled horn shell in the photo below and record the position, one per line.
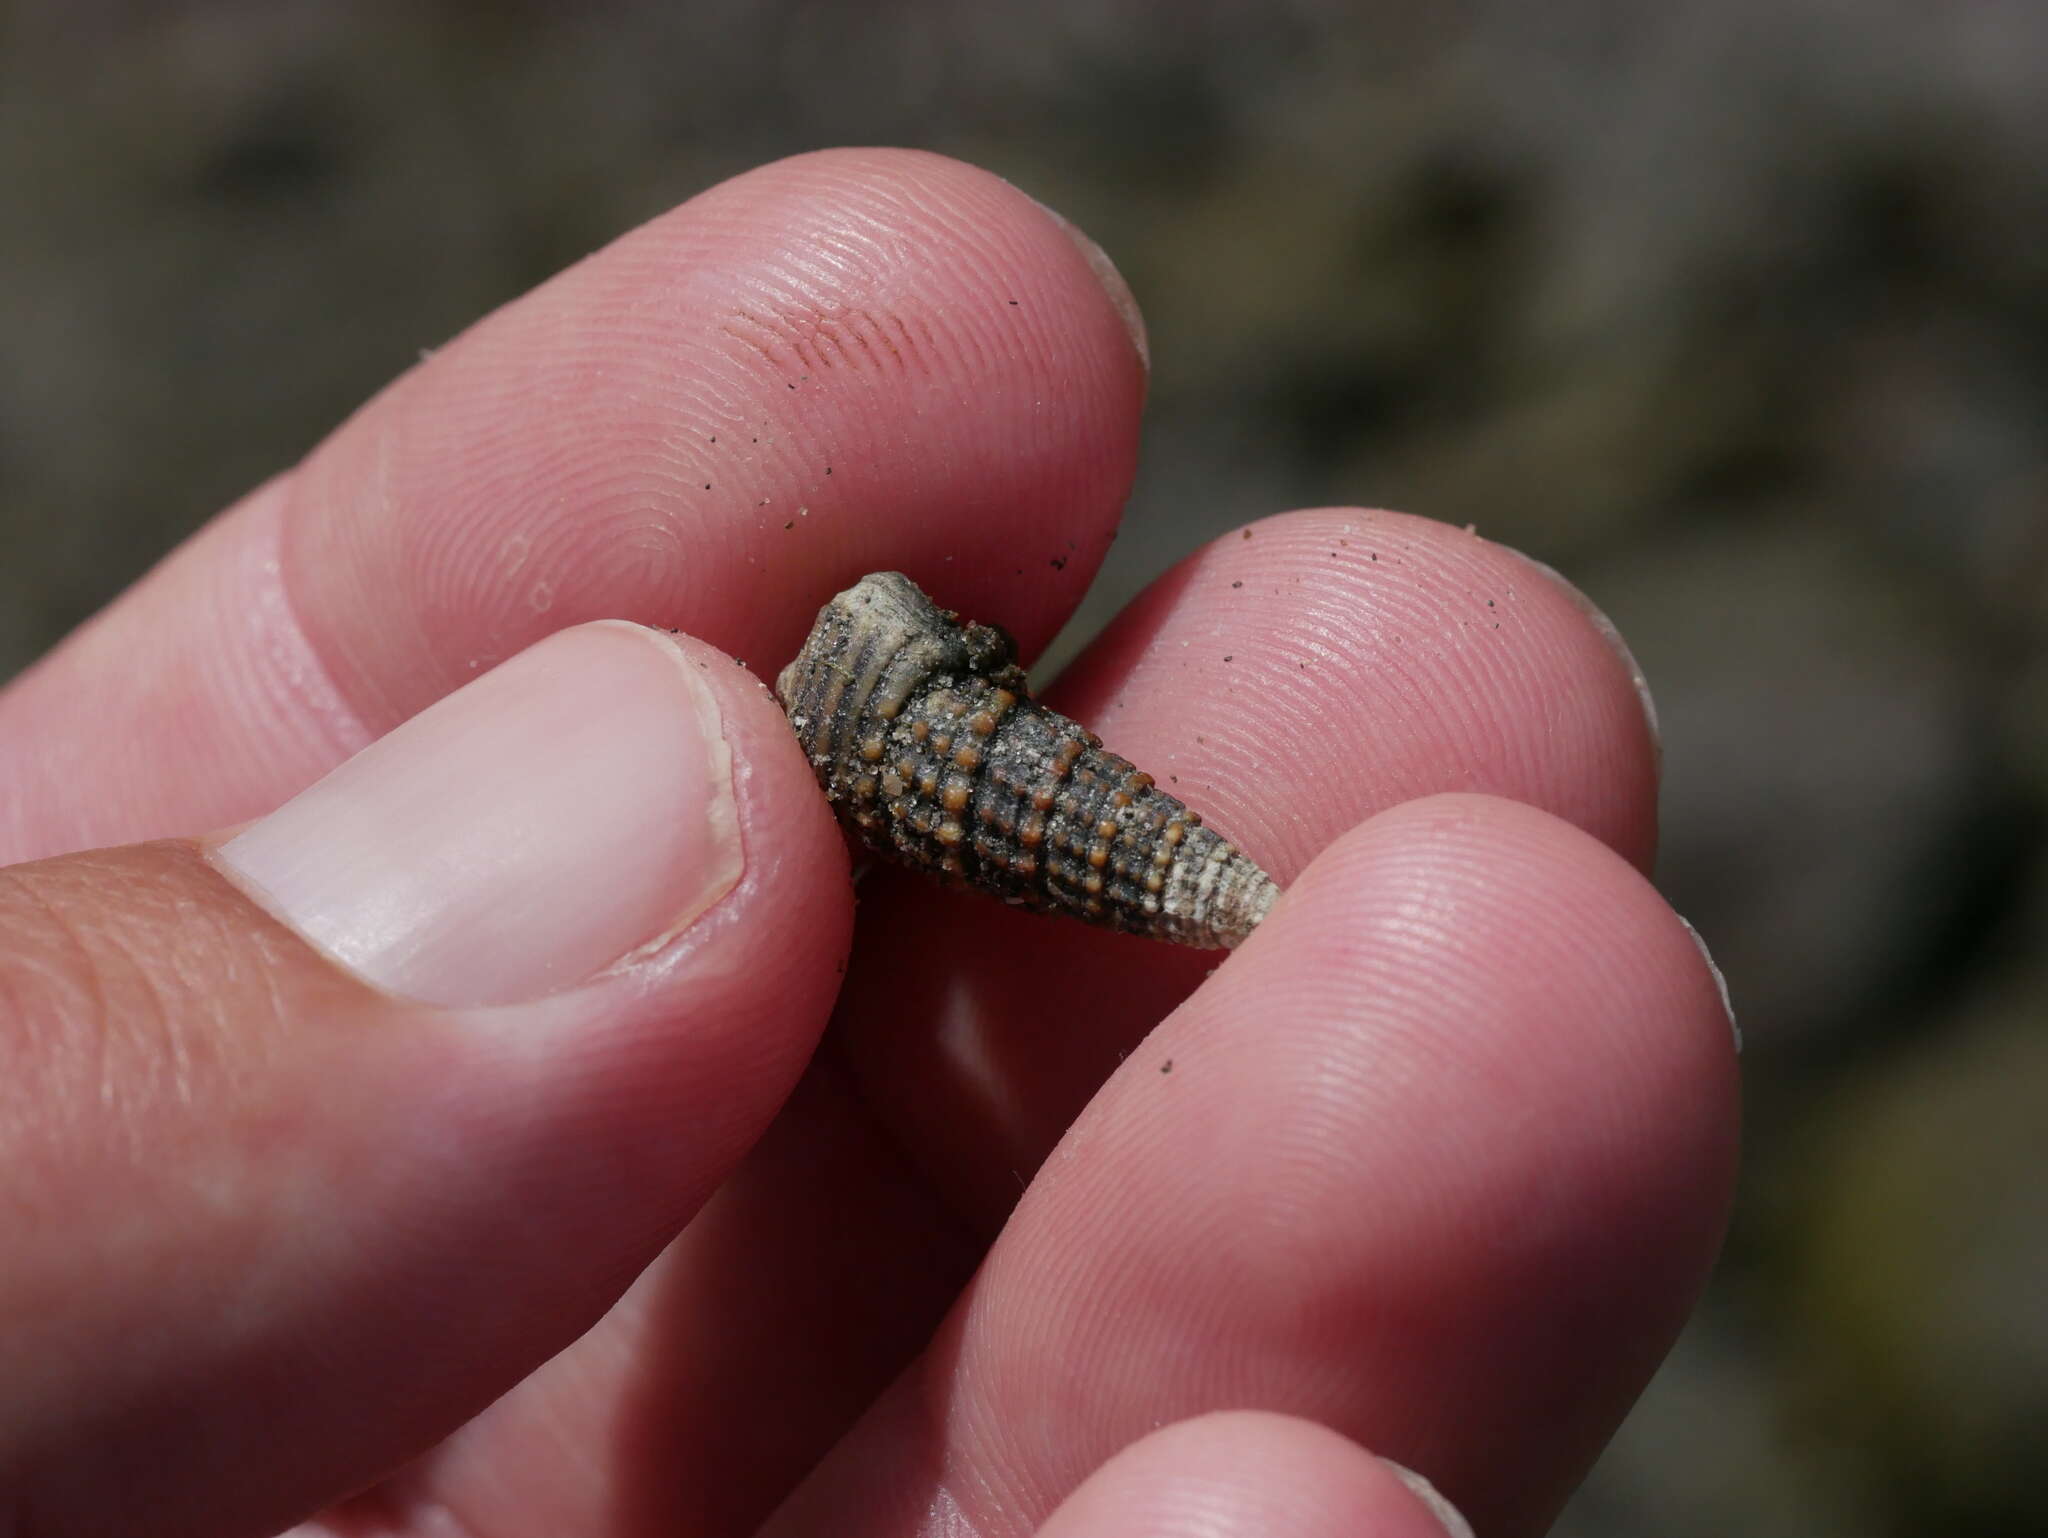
(923, 737)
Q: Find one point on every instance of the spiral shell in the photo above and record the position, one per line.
(923, 737)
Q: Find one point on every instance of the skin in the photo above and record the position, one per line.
(1434, 1166)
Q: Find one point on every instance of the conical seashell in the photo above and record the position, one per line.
(923, 737)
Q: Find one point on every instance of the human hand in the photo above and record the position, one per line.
(1437, 1160)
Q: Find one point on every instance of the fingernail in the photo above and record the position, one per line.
(1113, 284)
(1720, 982)
(1612, 636)
(531, 829)
(1446, 1514)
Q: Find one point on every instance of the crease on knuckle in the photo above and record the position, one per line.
(108, 996)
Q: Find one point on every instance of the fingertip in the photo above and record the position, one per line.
(1542, 1061)
(466, 1184)
(948, 191)
(579, 803)
(1464, 1104)
(1251, 1474)
(849, 361)
(846, 361)
(1016, 342)
(1393, 657)
(1472, 930)
(1511, 894)
(957, 192)
(758, 970)
(1439, 1157)
(673, 1058)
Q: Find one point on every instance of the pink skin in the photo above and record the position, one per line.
(1243, 1475)
(1433, 661)
(550, 467)
(1446, 1148)
(1383, 1171)
(309, 1184)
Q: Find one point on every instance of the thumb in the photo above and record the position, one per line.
(315, 1140)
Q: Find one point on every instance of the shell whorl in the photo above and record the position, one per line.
(922, 735)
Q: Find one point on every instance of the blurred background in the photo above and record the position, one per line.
(1735, 310)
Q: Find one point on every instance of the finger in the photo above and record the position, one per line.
(1438, 1159)
(314, 1145)
(1248, 1475)
(730, 1367)
(839, 363)
(1286, 682)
